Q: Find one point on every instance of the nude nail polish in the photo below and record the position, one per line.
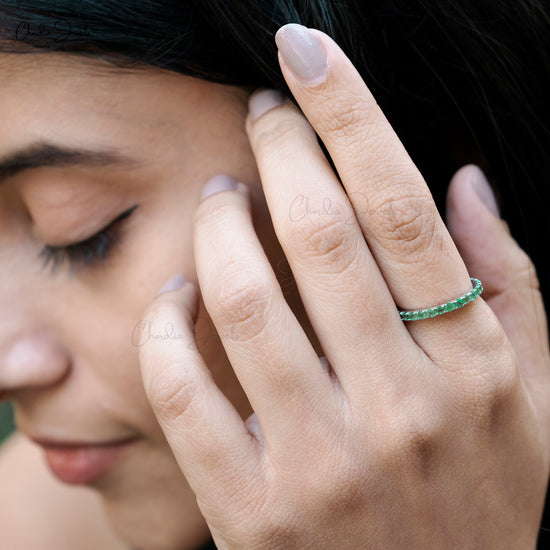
(174, 283)
(302, 51)
(217, 184)
(263, 101)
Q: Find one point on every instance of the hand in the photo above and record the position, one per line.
(428, 434)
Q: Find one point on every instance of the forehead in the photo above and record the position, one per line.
(39, 93)
(160, 117)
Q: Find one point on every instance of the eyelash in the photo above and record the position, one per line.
(85, 254)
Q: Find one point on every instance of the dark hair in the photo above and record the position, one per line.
(454, 78)
(472, 73)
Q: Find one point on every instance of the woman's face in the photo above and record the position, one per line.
(70, 329)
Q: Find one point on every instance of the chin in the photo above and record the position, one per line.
(150, 531)
(151, 507)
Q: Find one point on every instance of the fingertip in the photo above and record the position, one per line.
(471, 201)
(181, 293)
(262, 101)
(303, 53)
(176, 282)
(482, 188)
(218, 184)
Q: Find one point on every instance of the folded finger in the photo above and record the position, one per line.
(205, 432)
(267, 347)
(510, 281)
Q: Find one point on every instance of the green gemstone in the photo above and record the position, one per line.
(444, 308)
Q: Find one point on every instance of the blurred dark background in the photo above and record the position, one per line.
(6, 420)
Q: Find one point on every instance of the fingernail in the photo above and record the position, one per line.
(217, 184)
(174, 283)
(302, 51)
(263, 101)
(484, 191)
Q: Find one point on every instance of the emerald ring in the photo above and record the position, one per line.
(418, 314)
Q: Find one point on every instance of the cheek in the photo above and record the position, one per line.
(101, 341)
(157, 243)
(106, 377)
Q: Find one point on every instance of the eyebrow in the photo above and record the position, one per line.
(40, 155)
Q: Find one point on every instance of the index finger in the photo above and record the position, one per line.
(392, 202)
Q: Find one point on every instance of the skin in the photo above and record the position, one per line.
(83, 383)
(330, 454)
(35, 504)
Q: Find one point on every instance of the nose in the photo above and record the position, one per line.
(31, 360)
(33, 353)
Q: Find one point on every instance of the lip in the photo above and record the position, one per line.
(78, 463)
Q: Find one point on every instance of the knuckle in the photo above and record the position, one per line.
(252, 519)
(410, 437)
(347, 117)
(328, 488)
(343, 493)
(161, 310)
(172, 395)
(263, 518)
(161, 318)
(215, 213)
(407, 224)
(332, 481)
(242, 304)
(324, 239)
(421, 446)
(525, 270)
(280, 133)
(486, 389)
(277, 530)
(487, 393)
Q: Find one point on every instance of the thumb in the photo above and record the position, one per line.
(509, 279)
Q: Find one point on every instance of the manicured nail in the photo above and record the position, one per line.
(217, 184)
(174, 283)
(484, 191)
(263, 101)
(302, 51)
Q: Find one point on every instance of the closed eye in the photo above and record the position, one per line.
(85, 254)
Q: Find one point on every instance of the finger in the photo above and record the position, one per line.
(394, 207)
(206, 434)
(272, 357)
(510, 281)
(344, 294)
